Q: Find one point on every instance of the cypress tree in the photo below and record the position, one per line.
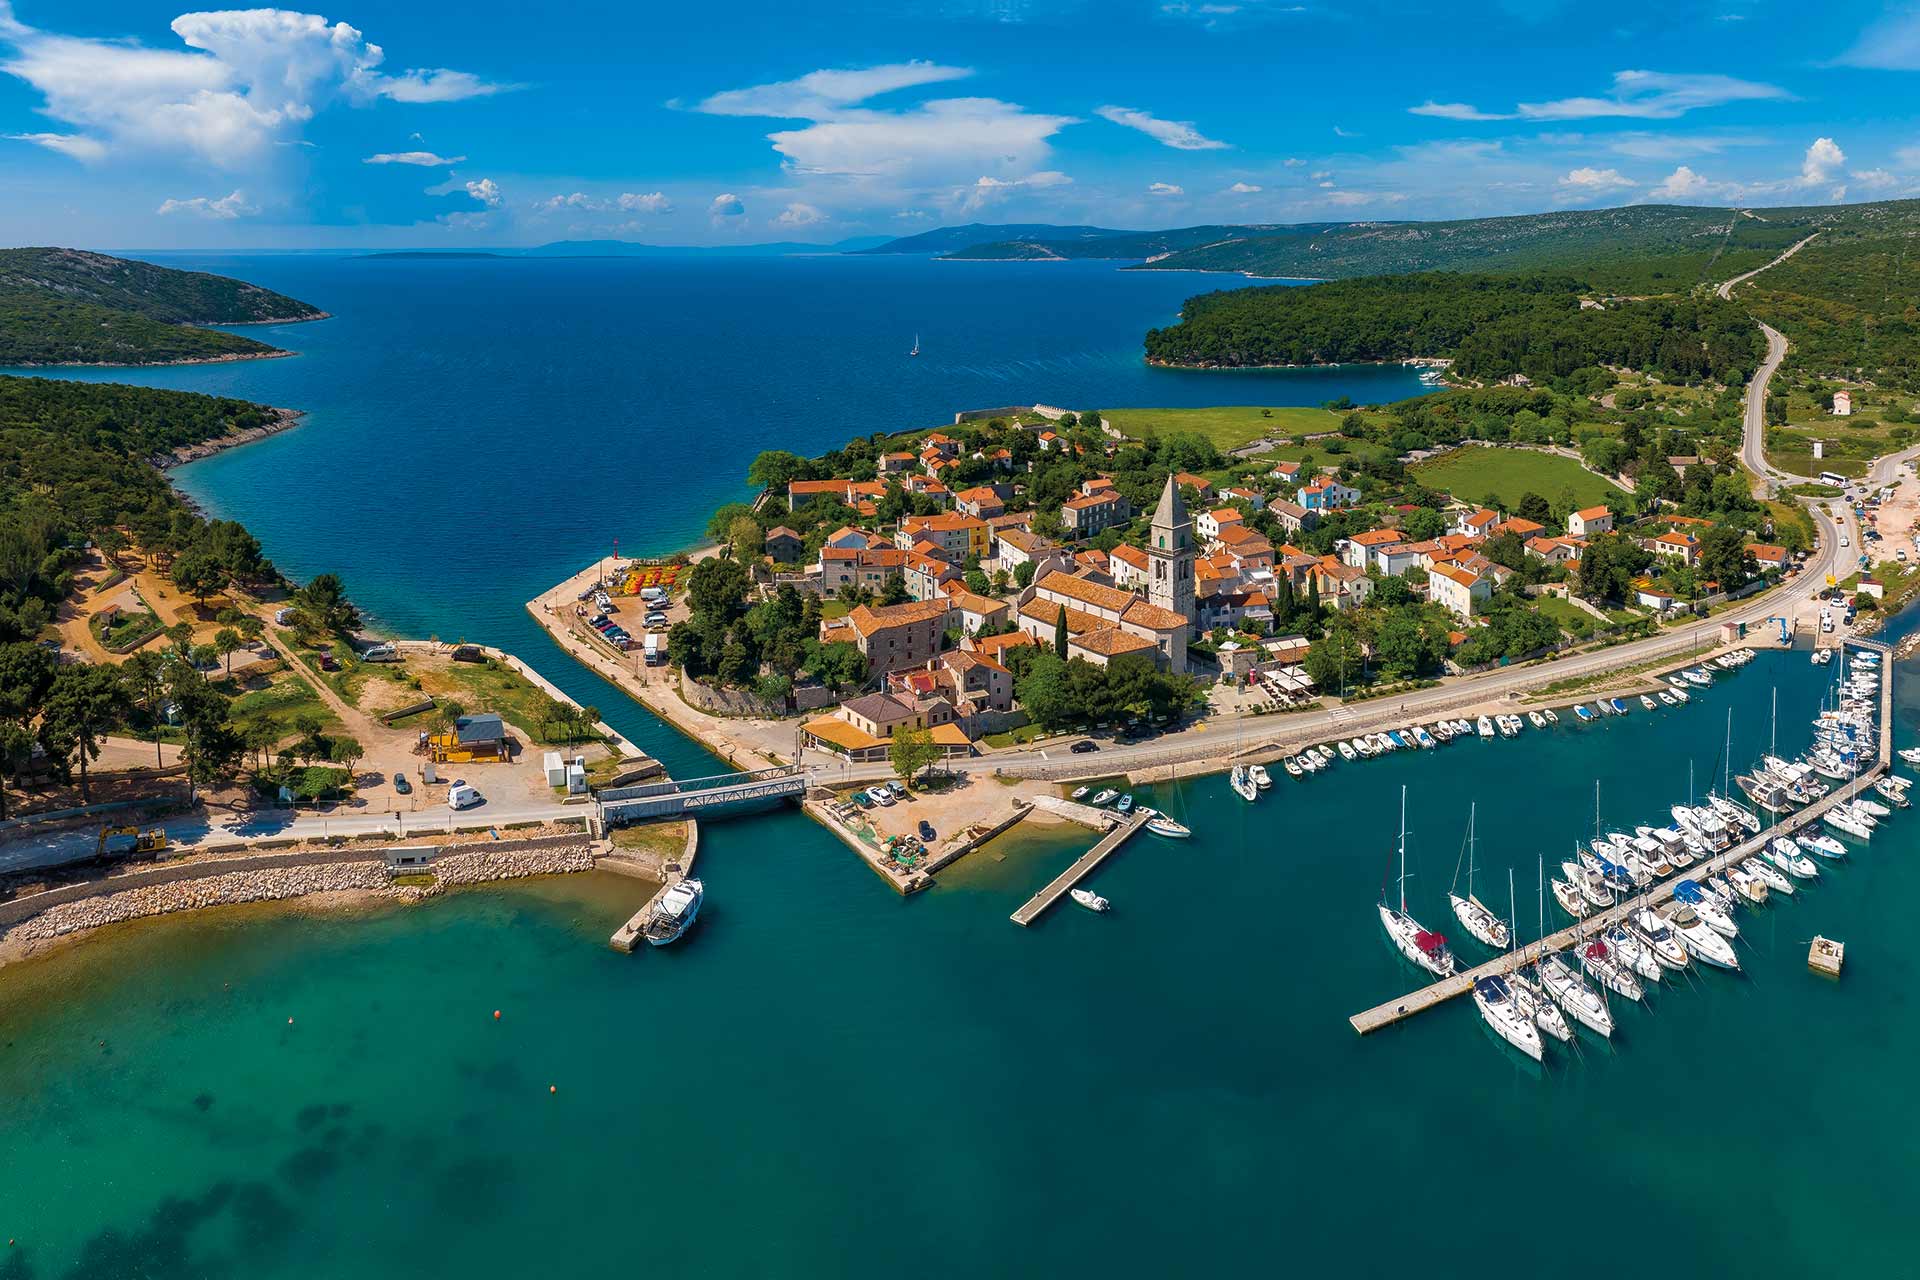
(1060, 635)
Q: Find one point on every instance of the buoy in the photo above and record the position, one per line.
(496, 1015)
(553, 1088)
(289, 1021)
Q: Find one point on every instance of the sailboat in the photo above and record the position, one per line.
(1422, 947)
(916, 346)
(1496, 1000)
(1525, 979)
(1472, 913)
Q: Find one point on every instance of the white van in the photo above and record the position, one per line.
(463, 795)
(381, 653)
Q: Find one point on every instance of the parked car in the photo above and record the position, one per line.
(896, 786)
(401, 784)
(926, 829)
(656, 619)
(1083, 746)
(880, 795)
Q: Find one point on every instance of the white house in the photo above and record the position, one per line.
(1842, 404)
(1457, 589)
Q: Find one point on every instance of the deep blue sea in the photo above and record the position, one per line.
(824, 1080)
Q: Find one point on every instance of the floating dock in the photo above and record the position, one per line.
(1826, 956)
(1385, 1015)
(1082, 867)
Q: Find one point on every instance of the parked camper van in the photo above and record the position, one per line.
(381, 653)
(463, 795)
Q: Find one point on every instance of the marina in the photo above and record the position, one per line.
(1083, 867)
(1541, 952)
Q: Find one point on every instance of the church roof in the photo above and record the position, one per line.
(1172, 511)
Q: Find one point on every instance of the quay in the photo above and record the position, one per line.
(1385, 1015)
(628, 936)
(1037, 905)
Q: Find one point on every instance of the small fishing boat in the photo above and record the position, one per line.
(1494, 998)
(1424, 738)
(1539, 721)
(1089, 899)
(1261, 778)
(1668, 700)
(1241, 784)
(1347, 752)
(1292, 765)
(1580, 709)
(1124, 805)
(1647, 703)
(1581, 1002)
(1700, 940)
(1886, 787)
(1619, 707)
(1484, 726)
(1552, 716)
(1104, 798)
(1079, 793)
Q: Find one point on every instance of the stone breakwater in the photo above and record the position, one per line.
(232, 888)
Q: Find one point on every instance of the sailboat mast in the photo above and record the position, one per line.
(1471, 808)
(1403, 849)
(1513, 912)
(1726, 758)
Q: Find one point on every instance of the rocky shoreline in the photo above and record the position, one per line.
(232, 888)
(283, 420)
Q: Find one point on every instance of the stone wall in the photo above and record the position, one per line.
(717, 701)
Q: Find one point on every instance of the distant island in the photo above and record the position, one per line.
(68, 306)
(437, 253)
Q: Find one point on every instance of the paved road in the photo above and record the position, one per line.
(1726, 288)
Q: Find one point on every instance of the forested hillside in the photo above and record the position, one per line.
(73, 467)
(1491, 326)
(1851, 299)
(65, 306)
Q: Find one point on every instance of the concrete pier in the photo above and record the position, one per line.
(1459, 984)
(627, 937)
(1083, 866)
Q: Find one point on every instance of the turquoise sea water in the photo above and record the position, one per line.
(825, 1080)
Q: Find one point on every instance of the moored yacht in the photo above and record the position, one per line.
(1419, 945)
(673, 914)
(1495, 1000)
(1700, 940)
(1581, 1002)
(1749, 886)
(1606, 969)
(1787, 856)
(1706, 906)
(1242, 784)
(1652, 929)
(1529, 996)
(1769, 878)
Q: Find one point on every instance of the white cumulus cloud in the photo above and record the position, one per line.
(486, 191)
(1178, 134)
(1683, 184)
(1165, 189)
(645, 202)
(1244, 189)
(1591, 181)
(727, 205)
(245, 80)
(1823, 163)
(800, 214)
(233, 205)
(424, 159)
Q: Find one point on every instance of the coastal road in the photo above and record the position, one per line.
(1753, 442)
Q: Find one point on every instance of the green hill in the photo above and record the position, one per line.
(67, 306)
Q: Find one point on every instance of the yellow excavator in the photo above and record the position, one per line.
(123, 840)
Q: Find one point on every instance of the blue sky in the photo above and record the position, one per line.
(141, 125)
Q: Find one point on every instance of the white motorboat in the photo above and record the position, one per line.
(1786, 855)
(1103, 798)
(1589, 882)
(1539, 721)
(1419, 945)
(1292, 765)
(1089, 899)
(673, 913)
(1765, 792)
(1079, 793)
(1747, 885)
(1486, 927)
(1347, 752)
(1825, 846)
(1484, 726)
(1707, 906)
(1886, 787)
(1700, 940)
(1424, 738)
(1697, 677)
(1597, 958)
(1910, 754)
(1649, 849)
(1768, 876)
(1512, 1023)
(1681, 695)
(1653, 930)
(1261, 778)
(1668, 700)
(1570, 900)
(1581, 1002)
(1552, 716)
(1242, 784)
(1647, 702)
(1873, 807)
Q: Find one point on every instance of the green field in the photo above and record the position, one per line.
(1230, 426)
(1473, 474)
(1566, 615)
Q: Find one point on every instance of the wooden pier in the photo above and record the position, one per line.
(1037, 905)
(1459, 984)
